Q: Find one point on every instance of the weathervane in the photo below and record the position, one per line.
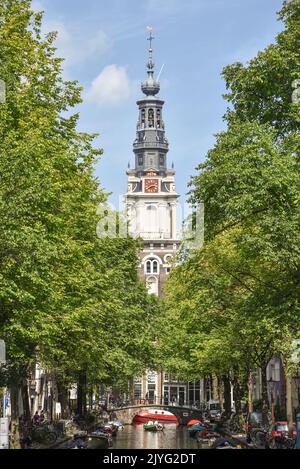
(150, 38)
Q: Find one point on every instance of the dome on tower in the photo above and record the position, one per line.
(150, 87)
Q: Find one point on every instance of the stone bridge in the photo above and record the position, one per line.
(183, 414)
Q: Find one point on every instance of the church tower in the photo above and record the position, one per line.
(151, 202)
(151, 199)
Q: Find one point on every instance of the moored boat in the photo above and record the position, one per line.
(96, 440)
(155, 414)
(153, 427)
(93, 440)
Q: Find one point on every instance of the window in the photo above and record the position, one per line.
(151, 118)
(138, 391)
(161, 160)
(170, 377)
(151, 377)
(143, 117)
(149, 267)
(158, 114)
(277, 372)
(168, 259)
(152, 266)
(155, 267)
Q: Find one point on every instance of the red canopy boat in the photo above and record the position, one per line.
(155, 414)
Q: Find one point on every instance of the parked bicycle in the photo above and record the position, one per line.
(43, 434)
(282, 442)
(236, 423)
(260, 437)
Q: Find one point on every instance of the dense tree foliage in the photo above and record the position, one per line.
(68, 299)
(236, 301)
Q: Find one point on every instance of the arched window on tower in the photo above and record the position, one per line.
(158, 117)
(152, 266)
(143, 118)
(149, 267)
(151, 118)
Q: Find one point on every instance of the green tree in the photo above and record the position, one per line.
(68, 299)
(237, 298)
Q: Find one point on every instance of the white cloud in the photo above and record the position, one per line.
(73, 47)
(111, 88)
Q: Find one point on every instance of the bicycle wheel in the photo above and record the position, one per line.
(38, 435)
(50, 437)
(260, 440)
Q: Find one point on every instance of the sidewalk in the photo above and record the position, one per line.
(59, 442)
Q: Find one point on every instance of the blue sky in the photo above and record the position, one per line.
(104, 43)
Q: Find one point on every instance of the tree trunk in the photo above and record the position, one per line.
(221, 393)
(91, 395)
(250, 393)
(227, 396)
(215, 393)
(84, 394)
(79, 399)
(237, 394)
(25, 399)
(265, 397)
(289, 403)
(81, 395)
(63, 398)
(14, 423)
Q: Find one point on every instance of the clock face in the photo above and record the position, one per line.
(151, 186)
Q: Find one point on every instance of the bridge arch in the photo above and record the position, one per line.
(183, 414)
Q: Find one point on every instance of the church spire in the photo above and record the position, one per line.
(150, 87)
(150, 62)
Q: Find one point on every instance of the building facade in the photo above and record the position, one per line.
(151, 203)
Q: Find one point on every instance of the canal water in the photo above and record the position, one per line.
(173, 437)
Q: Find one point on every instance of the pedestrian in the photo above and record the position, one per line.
(36, 419)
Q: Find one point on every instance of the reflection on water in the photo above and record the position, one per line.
(135, 437)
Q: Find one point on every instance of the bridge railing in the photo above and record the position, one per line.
(158, 402)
